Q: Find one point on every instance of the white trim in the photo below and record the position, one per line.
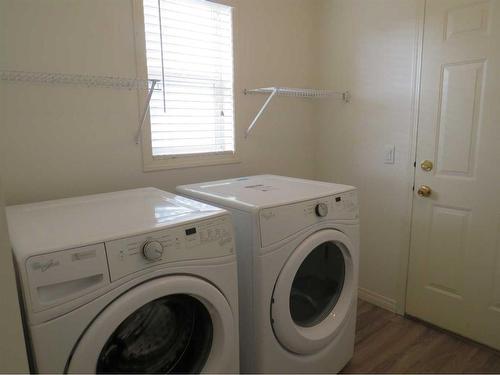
(151, 163)
(378, 299)
(181, 161)
(400, 303)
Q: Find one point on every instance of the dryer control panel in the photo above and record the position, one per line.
(278, 223)
(205, 239)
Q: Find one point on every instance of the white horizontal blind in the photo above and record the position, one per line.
(189, 48)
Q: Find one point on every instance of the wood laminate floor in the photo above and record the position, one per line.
(389, 343)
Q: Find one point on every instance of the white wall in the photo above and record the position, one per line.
(13, 356)
(66, 141)
(368, 47)
(62, 141)
(12, 348)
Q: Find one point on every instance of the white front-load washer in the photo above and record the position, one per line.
(138, 281)
(297, 243)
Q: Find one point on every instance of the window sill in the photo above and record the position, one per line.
(189, 161)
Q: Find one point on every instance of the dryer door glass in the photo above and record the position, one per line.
(172, 334)
(317, 285)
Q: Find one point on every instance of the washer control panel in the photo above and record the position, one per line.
(59, 277)
(277, 223)
(152, 250)
(321, 209)
(205, 239)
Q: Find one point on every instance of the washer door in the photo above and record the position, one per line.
(174, 324)
(314, 292)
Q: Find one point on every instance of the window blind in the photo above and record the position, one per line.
(189, 49)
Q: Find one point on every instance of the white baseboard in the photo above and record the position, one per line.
(377, 299)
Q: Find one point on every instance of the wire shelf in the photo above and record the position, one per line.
(292, 92)
(301, 93)
(74, 80)
(81, 80)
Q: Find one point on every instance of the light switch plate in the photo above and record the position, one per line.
(389, 154)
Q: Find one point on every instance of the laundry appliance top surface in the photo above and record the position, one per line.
(256, 192)
(67, 223)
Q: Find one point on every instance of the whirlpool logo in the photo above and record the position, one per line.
(44, 266)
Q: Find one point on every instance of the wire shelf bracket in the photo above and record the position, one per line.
(146, 110)
(291, 92)
(86, 81)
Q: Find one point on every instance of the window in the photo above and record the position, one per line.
(189, 49)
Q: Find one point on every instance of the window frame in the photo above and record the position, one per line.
(156, 163)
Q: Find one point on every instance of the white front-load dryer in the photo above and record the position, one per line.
(139, 281)
(298, 258)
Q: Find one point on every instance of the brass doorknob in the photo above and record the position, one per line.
(424, 191)
(427, 165)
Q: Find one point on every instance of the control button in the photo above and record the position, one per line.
(321, 209)
(152, 250)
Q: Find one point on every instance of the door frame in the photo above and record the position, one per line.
(415, 117)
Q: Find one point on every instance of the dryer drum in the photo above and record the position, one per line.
(317, 285)
(172, 334)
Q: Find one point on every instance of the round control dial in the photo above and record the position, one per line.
(152, 250)
(321, 209)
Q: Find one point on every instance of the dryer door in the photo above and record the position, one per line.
(314, 292)
(174, 324)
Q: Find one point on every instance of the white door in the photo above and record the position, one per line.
(454, 276)
(314, 293)
(174, 324)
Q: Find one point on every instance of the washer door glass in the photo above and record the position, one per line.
(172, 334)
(317, 285)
